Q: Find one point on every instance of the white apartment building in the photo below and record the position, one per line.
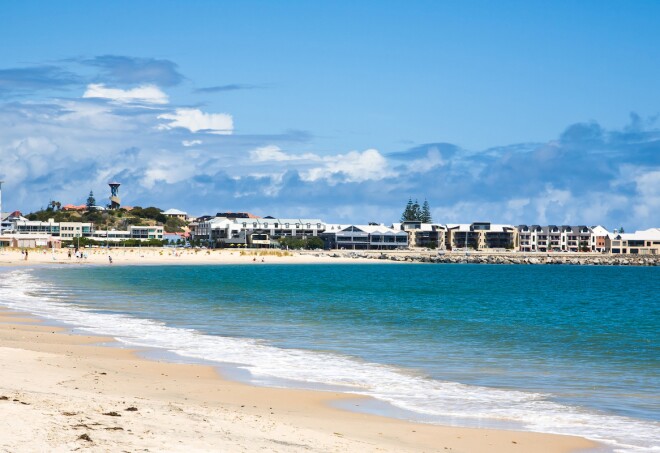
(556, 238)
(645, 242)
(62, 230)
(256, 232)
(143, 233)
(480, 236)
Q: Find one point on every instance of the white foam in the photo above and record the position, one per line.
(433, 398)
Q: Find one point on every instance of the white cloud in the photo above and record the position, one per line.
(195, 120)
(272, 153)
(648, 203)
(352, 167)
(188, 143)
(553, 204)
(433, 159)
(149, 94)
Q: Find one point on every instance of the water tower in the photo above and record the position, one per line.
(115, 201)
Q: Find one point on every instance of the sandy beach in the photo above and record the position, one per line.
(62, 392)
(163, 256)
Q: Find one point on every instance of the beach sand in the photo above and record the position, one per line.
(162, 256)
(63, 392)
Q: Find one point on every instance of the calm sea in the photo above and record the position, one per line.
(561, 349)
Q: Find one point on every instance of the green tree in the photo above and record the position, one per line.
(426, 213)
(408, 211)
(314, 243)
(91, 201)
(416, 211)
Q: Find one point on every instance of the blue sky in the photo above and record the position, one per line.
(513, 112)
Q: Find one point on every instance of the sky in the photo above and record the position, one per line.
(517, 112)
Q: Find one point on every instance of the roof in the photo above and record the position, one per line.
(72, 207)
(271, 220)
(237, 215)
(369, 229)
(650, 234)
(600, 231)
(174, 212)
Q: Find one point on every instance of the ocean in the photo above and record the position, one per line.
(556, 349)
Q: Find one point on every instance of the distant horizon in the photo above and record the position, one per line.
(502, 111)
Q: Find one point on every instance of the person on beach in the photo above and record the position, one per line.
(69, 254)
(26, 255)
(110, 259)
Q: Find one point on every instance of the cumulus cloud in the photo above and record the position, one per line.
(148, 94)
(351, 167)
(195, 121)
(272, 153)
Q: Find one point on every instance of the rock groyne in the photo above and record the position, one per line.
(505, 258)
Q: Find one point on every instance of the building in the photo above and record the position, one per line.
(254, 231)
(8, 221)
(176, 214)
(600, 239)
(645, 242)
(480, 236)
(77, 208)
(31, 241)
(174, 238)
(555, 238)
(115, 201)
(62, 230)
(142, 233)
(427, 235)
(364, 237)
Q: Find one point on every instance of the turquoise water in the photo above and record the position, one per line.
(568, 349)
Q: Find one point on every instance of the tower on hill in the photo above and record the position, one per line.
(115, 201)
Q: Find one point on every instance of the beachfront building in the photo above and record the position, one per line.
(556, 238)
(600, 239)
(142, 233)
(8, 221)
(364, 237)
(62, 230)
(645, 242)
(427, 235)
(31, 241)
(219, 232)
(480, 236)
(176, 214)
(252, 231)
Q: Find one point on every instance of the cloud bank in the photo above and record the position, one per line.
(123, 127)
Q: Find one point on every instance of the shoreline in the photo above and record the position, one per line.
(171, 256)
(64, 383)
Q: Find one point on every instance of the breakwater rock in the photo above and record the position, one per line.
(507, 258)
